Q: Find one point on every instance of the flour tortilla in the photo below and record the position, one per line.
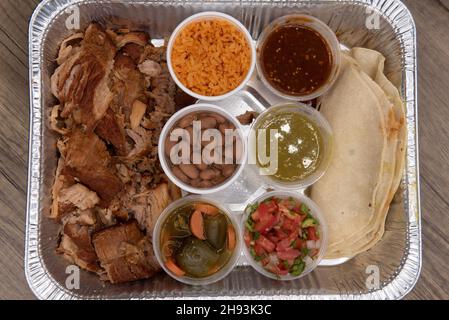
(347, 191)
(372, 62)
(358, 232)
(363, 236)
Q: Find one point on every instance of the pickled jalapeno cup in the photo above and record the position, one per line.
(197, 241)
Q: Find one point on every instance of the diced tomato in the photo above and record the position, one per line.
(283, 209)
(260, 251)
(289, 254)
(266, 208)
(266, 244)
(288, 203)
(297, 208)
(290, 225)
(281, 234)
(276, 270)
(287, 242)
(255, 215)
(266, 222)
(273, 238)
(247, 238)
(299, 243)
(311, 232)
(265, 261)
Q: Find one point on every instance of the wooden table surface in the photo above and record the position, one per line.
(431, 17)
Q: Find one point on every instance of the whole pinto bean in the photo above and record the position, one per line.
(168, 146)
(190, 171)
(220, 119)
(195, 183)
(208, 174)
(202, 166)
(186, 121)
(180, 175)
(228, 170)
(205, 184)
(208, 122)
(218, 180)
(225, 126)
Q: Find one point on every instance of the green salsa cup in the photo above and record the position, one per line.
(304, 146)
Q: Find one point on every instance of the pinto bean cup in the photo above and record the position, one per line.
(202, 149)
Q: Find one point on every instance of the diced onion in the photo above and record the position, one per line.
(311, 244)
(318, 244)
(308, 261)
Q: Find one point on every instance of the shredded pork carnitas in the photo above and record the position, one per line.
(114, 96)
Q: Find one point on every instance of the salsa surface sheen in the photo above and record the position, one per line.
(296, 60)
(300, 145)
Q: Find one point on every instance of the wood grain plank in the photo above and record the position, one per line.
(433, 53)
(14, 106)
(433, 43)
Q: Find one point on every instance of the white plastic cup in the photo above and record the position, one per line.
(223, 272)
(201, 107)
(207, 16)
(322, 228)
(326, 134)
(328, 36)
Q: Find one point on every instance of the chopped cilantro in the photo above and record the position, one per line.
(305, 209)
(250, 224)
(309, 222)
(251, 208)
(298, 268)
(305, 251)
(253, 252)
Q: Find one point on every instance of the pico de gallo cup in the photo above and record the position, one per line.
(267, 253)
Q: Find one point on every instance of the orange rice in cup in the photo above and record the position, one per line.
(211, 56)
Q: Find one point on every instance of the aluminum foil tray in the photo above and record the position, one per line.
(383, 25)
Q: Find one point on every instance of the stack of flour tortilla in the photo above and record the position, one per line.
(367, 116)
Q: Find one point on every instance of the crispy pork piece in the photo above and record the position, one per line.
(55, 123)
(125, 253)
(134, 51)
(81, 81)
(78, 195)
(142, 142)
(112, 129)
(115, 95)
(69, 46)
(127, 85)
(247, 118)
(150, 68)
(87, 159)
(71, 198)
(138, 38)
(157, 54)
(148, 205)
(62, 181)
(163, 91)
(75, 243)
